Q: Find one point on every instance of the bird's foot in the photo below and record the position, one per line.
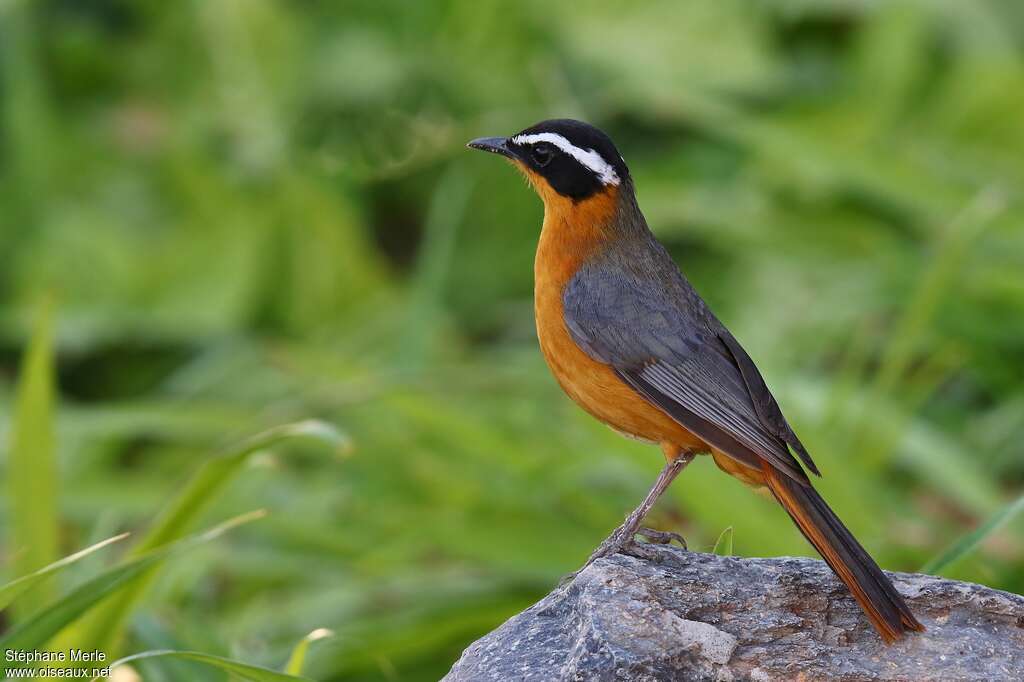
(642, 550)
(661, 537)
(653, 537)
(623, 540)
(622, 537)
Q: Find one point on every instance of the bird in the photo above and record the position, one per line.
(630, 340)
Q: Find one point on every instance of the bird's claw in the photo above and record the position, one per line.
(642, 550)
(623, 540)
(661, 537)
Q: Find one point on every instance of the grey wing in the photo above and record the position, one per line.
(666, 345)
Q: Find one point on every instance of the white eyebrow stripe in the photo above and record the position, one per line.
(588, 157)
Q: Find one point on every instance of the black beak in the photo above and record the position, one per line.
(494, 145)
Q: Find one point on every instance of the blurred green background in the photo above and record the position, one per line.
(250, 212)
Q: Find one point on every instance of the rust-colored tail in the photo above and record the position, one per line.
(882, 604)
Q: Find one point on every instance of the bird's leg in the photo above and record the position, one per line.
(624, 534)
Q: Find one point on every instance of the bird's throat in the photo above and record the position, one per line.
(573, 233)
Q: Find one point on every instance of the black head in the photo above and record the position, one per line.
(575, 158)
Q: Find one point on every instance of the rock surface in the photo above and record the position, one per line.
(690, 616)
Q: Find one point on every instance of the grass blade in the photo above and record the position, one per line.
(298, 657)
(723, 545)
(32, 466)
(218, 472)
(11, 590)
(969, 542)
(38, 629)
(103, 630)
(245, 671)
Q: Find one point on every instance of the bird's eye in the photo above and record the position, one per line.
(542, 154)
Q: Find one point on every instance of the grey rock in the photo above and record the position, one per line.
(687, 616)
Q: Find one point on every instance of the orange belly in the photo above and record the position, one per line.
(595, 387)
(592, 384)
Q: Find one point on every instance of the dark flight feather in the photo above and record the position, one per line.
(767, 408)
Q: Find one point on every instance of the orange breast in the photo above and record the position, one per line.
(572, 233)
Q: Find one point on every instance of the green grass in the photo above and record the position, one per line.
(243, 671)
(254, 213)
(724, 543)
(9, 591)
(967, 544)
(104, 630)
(38, 629)
(32, 481)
